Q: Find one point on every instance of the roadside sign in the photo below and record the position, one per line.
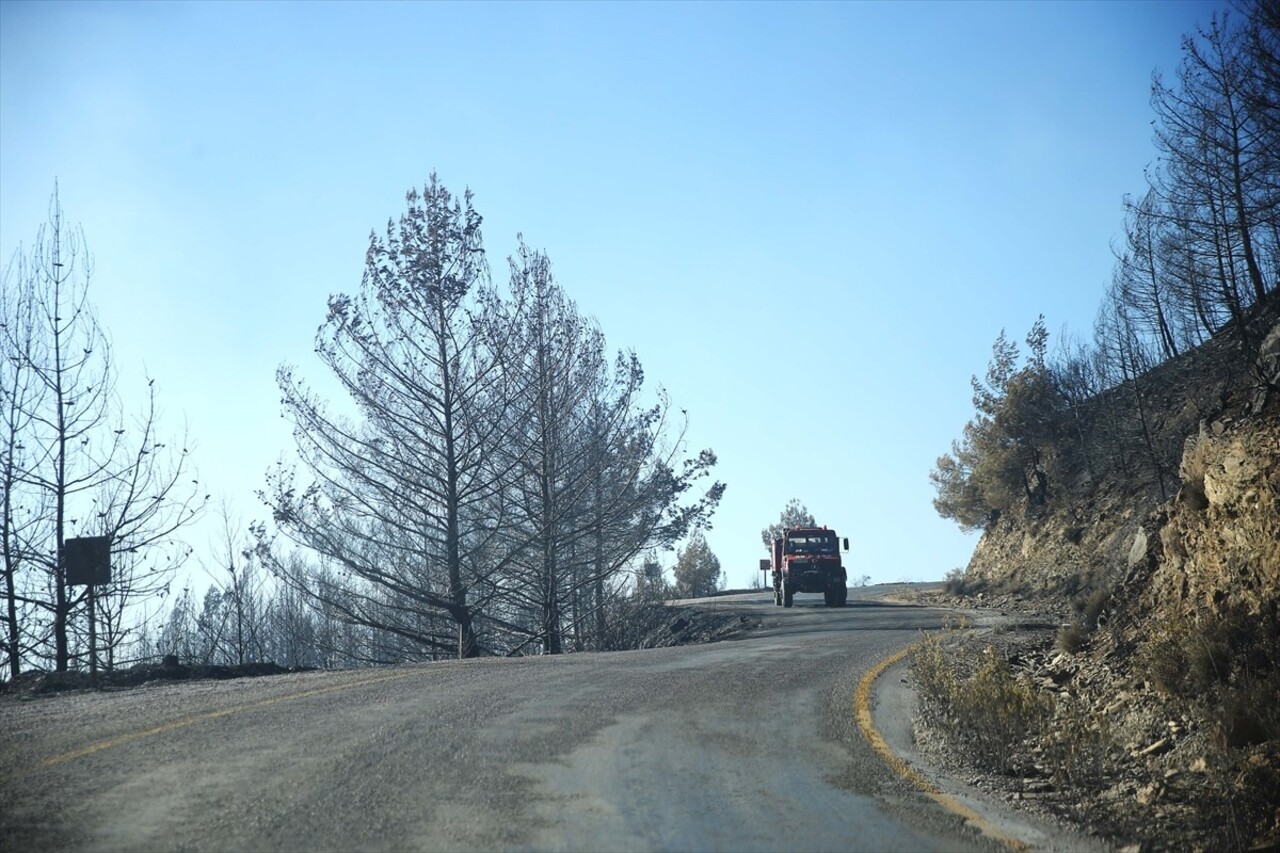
(88, 560)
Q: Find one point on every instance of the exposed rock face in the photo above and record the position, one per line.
(1269, 358)
(1219, 547)
(1215, 543)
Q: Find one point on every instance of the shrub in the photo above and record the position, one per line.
(1077, 746)
(935, 679)
(1250, 710)
(1094, 606)
(1072, 637)
(1196, 657)
(1163, 658)
(1001, 709)
(990, 709)
(1208, 660)
(1088, 608)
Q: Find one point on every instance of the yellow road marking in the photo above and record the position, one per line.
(121, 740)
(862, 709)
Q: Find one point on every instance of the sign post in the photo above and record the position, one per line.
(88, 563)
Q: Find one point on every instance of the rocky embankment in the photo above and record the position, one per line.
(1120, 757)
(1163, 671)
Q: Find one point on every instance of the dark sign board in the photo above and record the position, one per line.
(88, 560)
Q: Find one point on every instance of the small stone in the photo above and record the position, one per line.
(1200, 765)
(1138, 551)
(1159, 747)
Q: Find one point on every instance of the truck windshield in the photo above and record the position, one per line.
(811, 545)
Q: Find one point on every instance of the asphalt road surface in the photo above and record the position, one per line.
(740, 745)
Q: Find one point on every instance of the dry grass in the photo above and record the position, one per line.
(1072, 637)
(1226, 668)
(1209, 655)
(975, 698)
(1078, 745)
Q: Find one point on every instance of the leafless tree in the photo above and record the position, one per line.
(494, 474)
(1216, 182)
(396, 484)
(1128, 357)
(239, 585)
(593, 473)
(291, 633)
(84, 469)
(178, 634)
(20, 396)
(555, 364)
(1262, 86)
(1141, 276)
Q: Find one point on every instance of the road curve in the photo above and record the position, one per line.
(741, 745)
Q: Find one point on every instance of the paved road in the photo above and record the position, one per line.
(741, 745)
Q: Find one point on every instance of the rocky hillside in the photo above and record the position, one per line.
(1215, 422)
(1167, 599)
(1208, 542)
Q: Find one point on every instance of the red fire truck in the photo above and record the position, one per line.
(807, 559)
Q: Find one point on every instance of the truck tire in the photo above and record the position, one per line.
(829, 597)
(777, 598)
(842, 597)
(788, 597)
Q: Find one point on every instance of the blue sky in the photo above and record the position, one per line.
(849, 198)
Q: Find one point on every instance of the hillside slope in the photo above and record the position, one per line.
(1213, 417)
(1168, 603)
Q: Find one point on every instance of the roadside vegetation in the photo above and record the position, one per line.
(974, 697)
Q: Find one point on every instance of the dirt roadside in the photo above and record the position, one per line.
(1156, 784)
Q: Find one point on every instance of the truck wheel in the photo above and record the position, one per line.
(842, 597)
(777, 598)
(828, 598)
(788, 597)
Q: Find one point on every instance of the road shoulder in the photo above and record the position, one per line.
(892, 707)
